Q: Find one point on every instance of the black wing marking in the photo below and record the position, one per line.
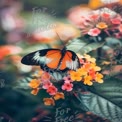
(75, 64)
(37, 57)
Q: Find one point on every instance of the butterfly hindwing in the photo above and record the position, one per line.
(70, 61)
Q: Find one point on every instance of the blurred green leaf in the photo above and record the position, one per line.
(34, 48)
(82, 47)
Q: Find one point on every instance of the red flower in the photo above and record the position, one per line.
(116, 21)
(67, 86)
(52, 90)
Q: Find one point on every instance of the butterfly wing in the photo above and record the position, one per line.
(69, 61)
(52, 60)
(46, 57)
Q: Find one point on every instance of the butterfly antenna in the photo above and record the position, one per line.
(62, 43)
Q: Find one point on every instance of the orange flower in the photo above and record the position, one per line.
(75, 76)
(87, 80)
(34, 83)
(93, 4)
(99, 78)
(48, 101)
(92, 73)
(101, 25)
(35, 91)
(59, 95)
(87, 66)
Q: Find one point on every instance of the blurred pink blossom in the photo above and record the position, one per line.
(94, 32)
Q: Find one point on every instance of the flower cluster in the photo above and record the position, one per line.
(87, 74)
(102, 21)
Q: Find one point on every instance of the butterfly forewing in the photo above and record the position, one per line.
(40, 57)
(54, 56)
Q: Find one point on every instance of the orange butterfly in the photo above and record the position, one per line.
(53, 59)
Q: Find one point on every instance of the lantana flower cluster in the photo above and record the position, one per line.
(102, 20)
(87, 74)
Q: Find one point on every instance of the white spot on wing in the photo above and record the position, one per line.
(41, 59)
(72, 64)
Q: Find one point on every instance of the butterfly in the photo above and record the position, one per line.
(53, 60)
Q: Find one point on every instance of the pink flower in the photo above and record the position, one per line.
(67, 79)
(81, 61)
(67, 86)
(46, 84)
(116, 21)
(52, 90)
(94, 16)
(106, 15)
(94, 32)
(120, 28)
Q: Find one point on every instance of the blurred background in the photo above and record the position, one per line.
(26, 26)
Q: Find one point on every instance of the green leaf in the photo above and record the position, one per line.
(111, 89)
(82, 47)
(100, 106)
(104, 100)
(35, 48)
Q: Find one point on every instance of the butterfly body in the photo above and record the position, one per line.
(53, 59)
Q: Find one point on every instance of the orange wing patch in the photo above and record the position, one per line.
(67, 58)
(54, 56)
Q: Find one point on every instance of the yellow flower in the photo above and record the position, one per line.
(82, 71)
(87, 80)
(34, 83)
(59, 95)
(96, 68)
(89, 58)
(99, 77)
(48, 101)
(75, 76)
(101, 25)
(35, 91)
